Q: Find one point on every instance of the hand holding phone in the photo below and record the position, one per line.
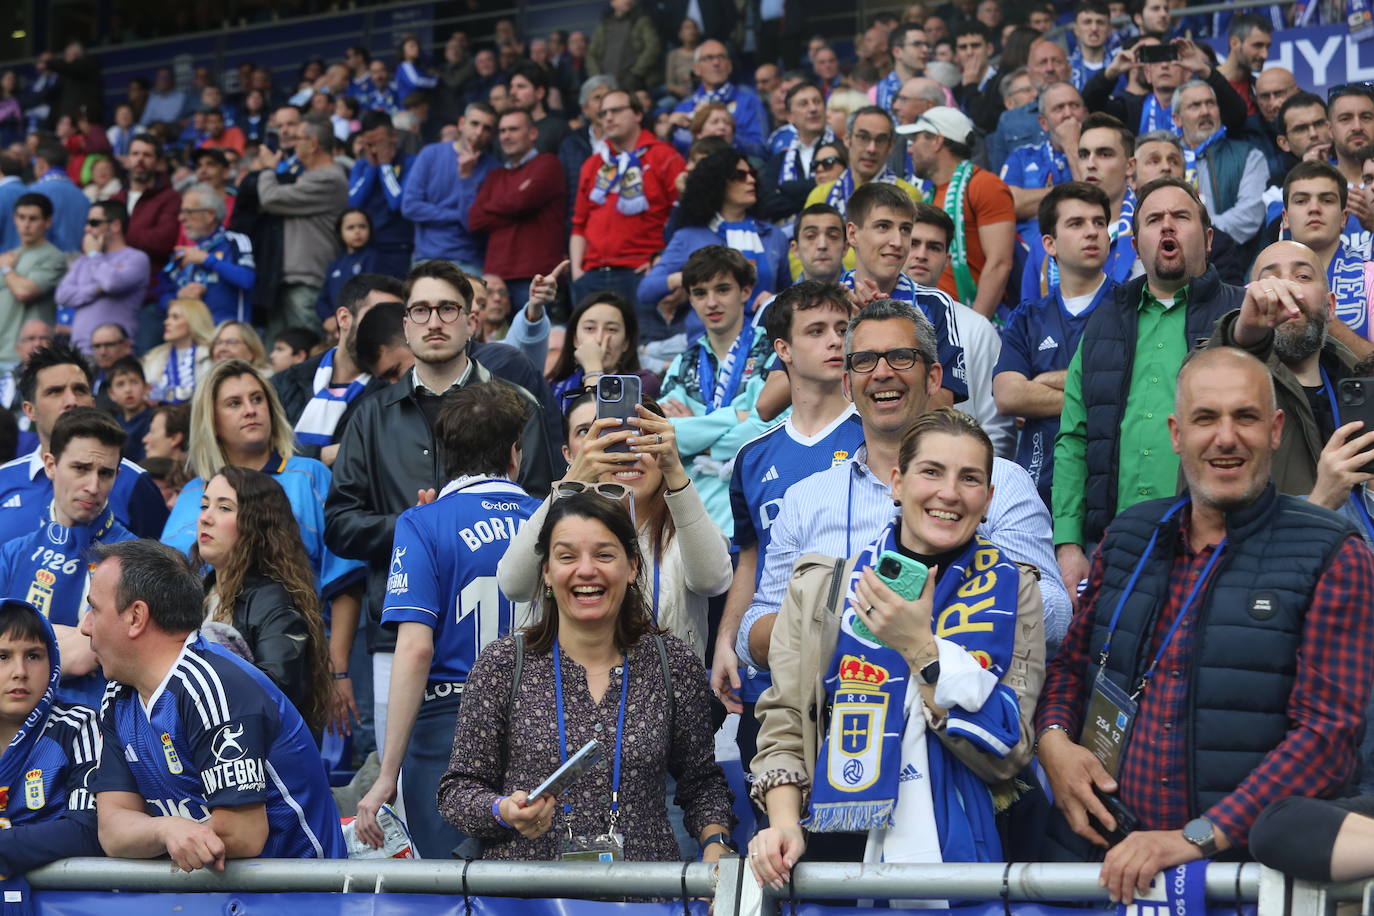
(1355, 402)
(572, 770)
(617, 396)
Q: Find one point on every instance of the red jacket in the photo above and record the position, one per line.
(523, 212)
(153, 227)
(617, 240)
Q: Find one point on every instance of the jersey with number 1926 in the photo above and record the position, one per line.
(443, 569)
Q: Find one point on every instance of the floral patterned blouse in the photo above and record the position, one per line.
(500, 748)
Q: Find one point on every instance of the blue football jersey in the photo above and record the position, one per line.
(443, 569)
(26, 492)
(54, 775)
(218, 733)
(767, 465)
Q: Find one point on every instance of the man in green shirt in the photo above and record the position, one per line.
(30, 272)
(1113, 448)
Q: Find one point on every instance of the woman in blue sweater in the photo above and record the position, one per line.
(717, 207)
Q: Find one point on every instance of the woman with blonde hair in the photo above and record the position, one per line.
(237, 421)
(238, 340)
(176, 367)
(262, 585)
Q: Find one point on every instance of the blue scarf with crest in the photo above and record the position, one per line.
(623, 174)
(857, 776)
(844, 186)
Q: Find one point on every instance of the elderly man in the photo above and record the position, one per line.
(107, 285)
(712, 67)
(1112, 450)
(1229, 175)
(1020, 126)
(1030, 171)
(1277, 714)
(217, 267)
(917, 96)
(310, 206)
(786, 179)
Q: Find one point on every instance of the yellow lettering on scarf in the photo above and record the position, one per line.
(963, 613)
(977, 585)
(984, 558)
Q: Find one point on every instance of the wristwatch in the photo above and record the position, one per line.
(721, 838)
(1199, 832)
(929, 673)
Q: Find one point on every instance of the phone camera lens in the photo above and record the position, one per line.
(888, 568)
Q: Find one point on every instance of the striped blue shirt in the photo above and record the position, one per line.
(840, 510)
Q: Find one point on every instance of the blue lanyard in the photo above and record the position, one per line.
(619, 725)
(1356, 493)
(1182, 611)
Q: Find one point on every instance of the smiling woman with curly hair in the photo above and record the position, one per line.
(717, 208)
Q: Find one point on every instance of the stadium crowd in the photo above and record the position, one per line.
(975, 410)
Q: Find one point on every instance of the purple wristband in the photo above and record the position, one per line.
(496, 811)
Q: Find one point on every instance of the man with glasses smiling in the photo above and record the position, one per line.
(388, 457)
(107, 283)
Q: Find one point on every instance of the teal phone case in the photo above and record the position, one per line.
(910, 581)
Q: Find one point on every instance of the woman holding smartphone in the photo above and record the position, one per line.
(855, 654)
(686, 556)
(592, 666)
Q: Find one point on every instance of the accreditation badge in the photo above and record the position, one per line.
(40, 591)
(1107, 727)
(33, 790)
(608, 847)
(173, 761)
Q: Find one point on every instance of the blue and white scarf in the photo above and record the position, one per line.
(58, 590)
(1345, 277)
(322, 413)
(781, 139)
(888, 87)
(623, 175)
(844, 186)
(1154, 116)
(178, 381)
(792, 160)
(180, 275)
(724, 94)
(1192, 155)
(723, 384)
(858, 774)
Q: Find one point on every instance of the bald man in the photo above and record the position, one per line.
(1289, 575)
(1021, 126)
(1284, 321)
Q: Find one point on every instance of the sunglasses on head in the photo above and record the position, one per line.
(616, 492)
(1365, 89)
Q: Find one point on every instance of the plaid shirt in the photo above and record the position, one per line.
(1325, 708)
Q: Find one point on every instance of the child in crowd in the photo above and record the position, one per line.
(129, 395)
(291, 346)
(354, 231)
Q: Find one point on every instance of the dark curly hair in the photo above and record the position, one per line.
(705, 191)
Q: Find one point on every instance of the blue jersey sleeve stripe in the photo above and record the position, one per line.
(295, 806)
(400, 612)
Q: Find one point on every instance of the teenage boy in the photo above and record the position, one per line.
(443, 602)
(806, 326)
(290, 347)
(1043, 333)
(1092, 29)
(48, 565)
(129, 397)
(710, 391)
(50, 750)
(879, 220)
(1315, 207)
(818, 242)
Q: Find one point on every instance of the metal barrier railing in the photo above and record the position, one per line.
(731, 884)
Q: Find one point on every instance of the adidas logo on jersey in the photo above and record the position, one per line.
(1049, 343)
(772, 474)
(909, 774)
(14, 502)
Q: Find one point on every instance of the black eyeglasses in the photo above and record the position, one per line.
(1365, 89)
(829, 162)
(866, 361)
(448, 312)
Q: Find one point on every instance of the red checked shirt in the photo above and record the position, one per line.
(1326, 706)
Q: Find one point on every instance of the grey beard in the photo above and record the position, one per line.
(1294, 347)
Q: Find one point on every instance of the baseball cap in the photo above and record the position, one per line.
(947, 122)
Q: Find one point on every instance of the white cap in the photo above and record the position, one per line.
(944, 121)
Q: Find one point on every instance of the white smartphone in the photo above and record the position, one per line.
(572, 770)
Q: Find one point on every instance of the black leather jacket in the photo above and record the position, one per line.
(275, 630)
(387, 454)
